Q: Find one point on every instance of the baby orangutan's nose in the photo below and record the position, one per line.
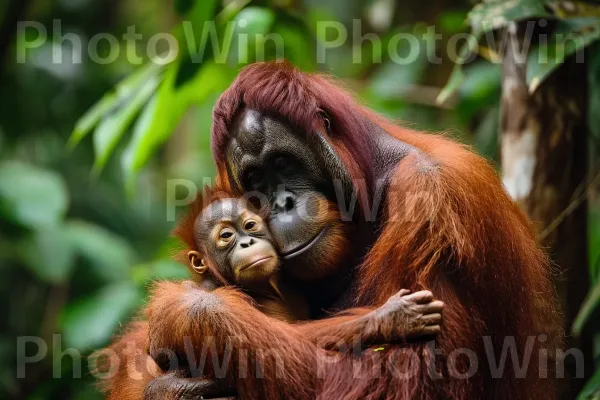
(247, 243)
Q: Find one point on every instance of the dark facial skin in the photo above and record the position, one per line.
(269, 163)
(237, 242)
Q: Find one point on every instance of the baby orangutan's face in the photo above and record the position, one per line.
(237, 242)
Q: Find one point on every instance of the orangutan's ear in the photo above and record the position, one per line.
(197, 262)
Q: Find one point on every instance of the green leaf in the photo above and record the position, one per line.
(31, 196)
(588, 309)
(163, 113)
(114, 125)
(87, 122)
(109, 255)
(140, 130)
(90, 323)
(493, 14)
(591, 390)
(569, 37)
(123, 91)
(49, 254)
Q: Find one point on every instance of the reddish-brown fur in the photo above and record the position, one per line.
(448, 226)
(134, 368)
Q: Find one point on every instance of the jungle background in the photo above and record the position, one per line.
(87, 149)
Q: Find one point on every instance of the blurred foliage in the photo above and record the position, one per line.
(84, 226)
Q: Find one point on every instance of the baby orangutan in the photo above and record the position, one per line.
(237, 249)
(235, 245)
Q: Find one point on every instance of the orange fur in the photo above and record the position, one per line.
(464, 239)
(447, 226)
(221, 320)
(134, 368)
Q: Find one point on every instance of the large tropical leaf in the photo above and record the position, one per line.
(492, 14)
(570, 37)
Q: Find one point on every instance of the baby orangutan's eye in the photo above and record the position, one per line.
(250, 225)
(225, 236)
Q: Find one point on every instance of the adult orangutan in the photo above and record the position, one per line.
(428, 214)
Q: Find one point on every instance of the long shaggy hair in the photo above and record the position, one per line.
(446, 225)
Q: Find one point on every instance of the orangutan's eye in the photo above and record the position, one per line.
(226, 235)
(326, 120)
(281, 163)
(250, 225)
(254, 179)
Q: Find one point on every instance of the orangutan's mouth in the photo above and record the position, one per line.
(299, 250)
(255, 263)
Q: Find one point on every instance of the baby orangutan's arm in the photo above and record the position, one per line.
(221, 335)
(403, 317)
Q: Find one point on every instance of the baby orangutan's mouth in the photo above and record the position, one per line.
(256, 263)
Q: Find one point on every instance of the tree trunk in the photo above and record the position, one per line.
(545, 165)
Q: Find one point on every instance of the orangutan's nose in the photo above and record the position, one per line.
(284, 201)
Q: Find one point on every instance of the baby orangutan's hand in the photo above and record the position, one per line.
(404, 316)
